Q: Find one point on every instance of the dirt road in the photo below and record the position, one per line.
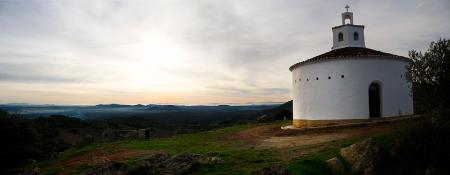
(290, 144)
(271, 136)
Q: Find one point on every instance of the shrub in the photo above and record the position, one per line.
(430, 74)
(19, 140)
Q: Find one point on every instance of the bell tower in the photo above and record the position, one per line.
(348, 34)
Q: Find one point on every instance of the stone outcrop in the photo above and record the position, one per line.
(275, 169)
(211, 158)
(108, 168)
(337, 165)
(359, 158)
(161, 163)
(33, 171)
(165, 164)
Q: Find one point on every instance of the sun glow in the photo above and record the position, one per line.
(151, 65)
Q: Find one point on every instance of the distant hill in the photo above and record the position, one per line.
(283, 111)
(112, 105)
(182, 113)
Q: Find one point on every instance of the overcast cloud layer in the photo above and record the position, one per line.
(210, 51)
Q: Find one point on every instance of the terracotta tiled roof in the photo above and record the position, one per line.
(359, 52)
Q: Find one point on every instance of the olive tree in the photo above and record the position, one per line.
(429, 73)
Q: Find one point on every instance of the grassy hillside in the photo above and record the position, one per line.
(239, 156)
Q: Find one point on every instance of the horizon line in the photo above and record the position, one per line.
(133, 104)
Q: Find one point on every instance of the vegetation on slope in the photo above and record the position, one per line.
(42, 138)
(239, 156)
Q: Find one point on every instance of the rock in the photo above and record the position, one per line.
(215, 160)
(164, 164)
(33, 171)
(212, 153)
(211, 160)
(108, 168)
(211, 157)
(153, 160)
(182, 164)
(362, 157)
(36, 171)
(336, 165)
(275, 169)
(161, 163)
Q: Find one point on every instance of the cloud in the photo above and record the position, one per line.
(187, 51)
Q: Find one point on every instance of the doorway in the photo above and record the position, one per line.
(374, 100)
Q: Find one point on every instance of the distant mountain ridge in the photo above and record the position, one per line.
(124, 110)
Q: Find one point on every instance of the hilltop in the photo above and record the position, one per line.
(239, 149)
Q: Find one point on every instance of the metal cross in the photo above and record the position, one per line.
(347, 6)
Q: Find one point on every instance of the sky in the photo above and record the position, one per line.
(187, 52)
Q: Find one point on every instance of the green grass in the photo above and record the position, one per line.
(314, 163)
(238, 157)
(242, 161)
(200, 143)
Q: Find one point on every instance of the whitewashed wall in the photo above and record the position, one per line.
(348, 97)
(349, 41)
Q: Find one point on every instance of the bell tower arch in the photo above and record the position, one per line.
(348, 34)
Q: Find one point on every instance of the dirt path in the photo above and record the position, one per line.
(271, 136)
(291, 144)
(304, 139)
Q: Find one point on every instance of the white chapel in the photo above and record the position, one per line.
(350, 82)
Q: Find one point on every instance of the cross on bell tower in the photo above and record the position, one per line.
(347, 15)
(348, 34)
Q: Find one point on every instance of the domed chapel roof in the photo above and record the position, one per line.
(354, 52)
(348, 42)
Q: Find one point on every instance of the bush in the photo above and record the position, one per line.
(418, 147)
(422, 147)
(24, 139)
(430, 74)
(19, 140)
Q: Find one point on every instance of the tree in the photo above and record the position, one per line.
(421, 146)
(430, 75)
(19, 141)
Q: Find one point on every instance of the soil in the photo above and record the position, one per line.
(271, 136)
(312, 138)
(98, 157)
(295, 143)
